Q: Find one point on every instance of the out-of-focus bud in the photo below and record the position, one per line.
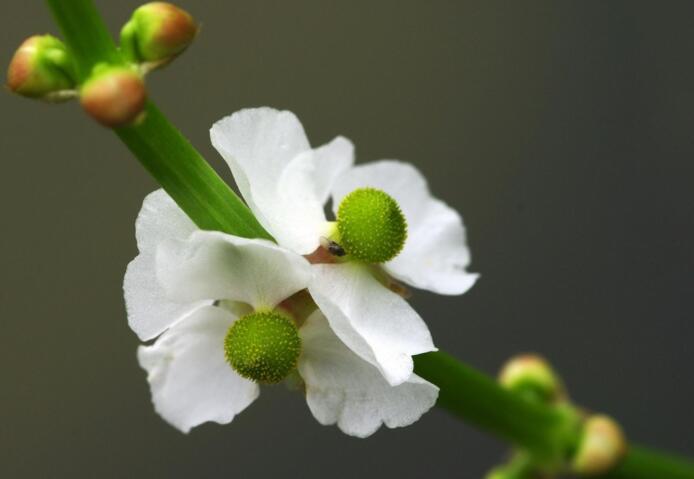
(601, 448)
(532, 376)
(41, 68)
(156, 33)
(519, 467)
(114, 96)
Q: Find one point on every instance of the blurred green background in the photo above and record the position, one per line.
(560, 129)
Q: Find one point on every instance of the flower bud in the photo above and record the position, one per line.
(263, 346)
(157, 32)
(114, 96)
(601, 447)
(532, 376)
(519, 467)
(371, 226)
(41, 68)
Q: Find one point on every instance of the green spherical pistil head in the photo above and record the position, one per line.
(371, 226)
(263, 346)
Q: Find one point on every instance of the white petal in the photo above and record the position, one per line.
(281, 179)
(344, 389)
(213, 265)
(150, 311)
(375, 323)
(332, 160)
(435, 255)
(190, 380)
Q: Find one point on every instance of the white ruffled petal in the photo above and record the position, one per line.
(150, 310)
(272, 163)
(435, 256)
(344, 389)
(213, 265)
(375, 323)
(190, 381)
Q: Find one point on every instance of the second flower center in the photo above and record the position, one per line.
(371, 226)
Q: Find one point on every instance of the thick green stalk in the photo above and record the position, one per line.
(187, 177)
(85, 34)
(166, 154)
(642, 463)
(211, 204)
(480, 400)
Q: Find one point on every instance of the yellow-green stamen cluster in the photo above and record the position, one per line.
(263, 346)
(371, 226)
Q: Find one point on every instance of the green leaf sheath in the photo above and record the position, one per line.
(187, 177)
(212, 205)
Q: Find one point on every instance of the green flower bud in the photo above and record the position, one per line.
(114, 96)
(532, 376)
(41, 68)
(601, 447)
(156, 33)
(371, 226)
(263, 346)
(519, 467)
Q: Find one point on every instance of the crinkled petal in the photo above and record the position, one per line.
(435, 256)
(190, 381)
(342, 388)
(213, 265)
(150, 310)
(281, 178)
(374, 322)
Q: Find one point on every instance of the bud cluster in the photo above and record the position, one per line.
(112, 94)
(601, 444)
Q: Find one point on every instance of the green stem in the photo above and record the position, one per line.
(85, 34)
(480, 400)
(155, 142)
(211, 204)
(642, 463)
(187, 177)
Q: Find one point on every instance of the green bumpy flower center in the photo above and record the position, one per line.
(371, 226)
(263, 346)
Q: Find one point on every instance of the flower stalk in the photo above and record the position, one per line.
(212, 205)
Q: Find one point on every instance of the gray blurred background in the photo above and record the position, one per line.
(562, 130)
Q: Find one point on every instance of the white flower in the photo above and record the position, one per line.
(189, 287)
(287, 184)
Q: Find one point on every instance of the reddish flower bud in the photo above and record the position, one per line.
(157, 32)
(114, 97)
(41, 68)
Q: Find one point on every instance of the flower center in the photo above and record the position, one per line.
(263, 346)
(371, 226)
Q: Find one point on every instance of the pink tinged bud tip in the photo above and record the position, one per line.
(158, 32)
(115, 97)
(40, 68)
